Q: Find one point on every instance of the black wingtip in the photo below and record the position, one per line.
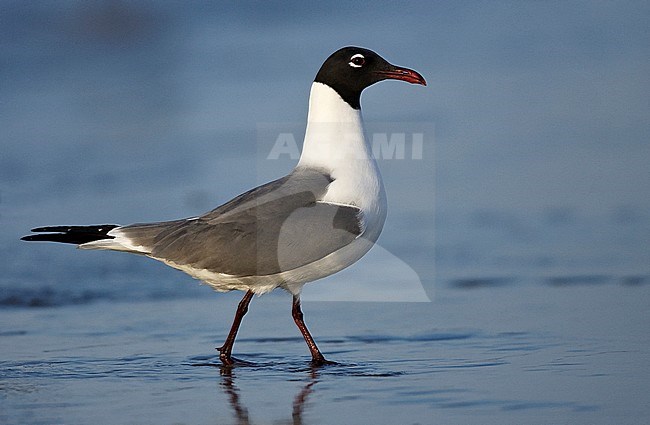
(76, 235)
(49, 237)
(101, 228)
(49, 229)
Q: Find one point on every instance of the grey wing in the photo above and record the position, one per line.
(274, 228)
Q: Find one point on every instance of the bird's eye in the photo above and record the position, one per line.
(357, 61)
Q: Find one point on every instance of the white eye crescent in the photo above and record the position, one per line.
(357, 61)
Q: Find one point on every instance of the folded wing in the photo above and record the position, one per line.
(273, 228)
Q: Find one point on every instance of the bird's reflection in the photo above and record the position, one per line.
(241, 412)
(231, 390)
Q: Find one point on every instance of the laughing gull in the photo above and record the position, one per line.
(322, 217)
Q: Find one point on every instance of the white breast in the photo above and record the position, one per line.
(335, 142)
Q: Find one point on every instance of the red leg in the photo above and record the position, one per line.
(316, 356)
(226, 349)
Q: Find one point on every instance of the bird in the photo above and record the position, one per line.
(317, 220)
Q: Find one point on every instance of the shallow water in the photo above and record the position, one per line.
(519, 353)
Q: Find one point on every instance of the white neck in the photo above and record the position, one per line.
(335, 143)
(334, 136)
